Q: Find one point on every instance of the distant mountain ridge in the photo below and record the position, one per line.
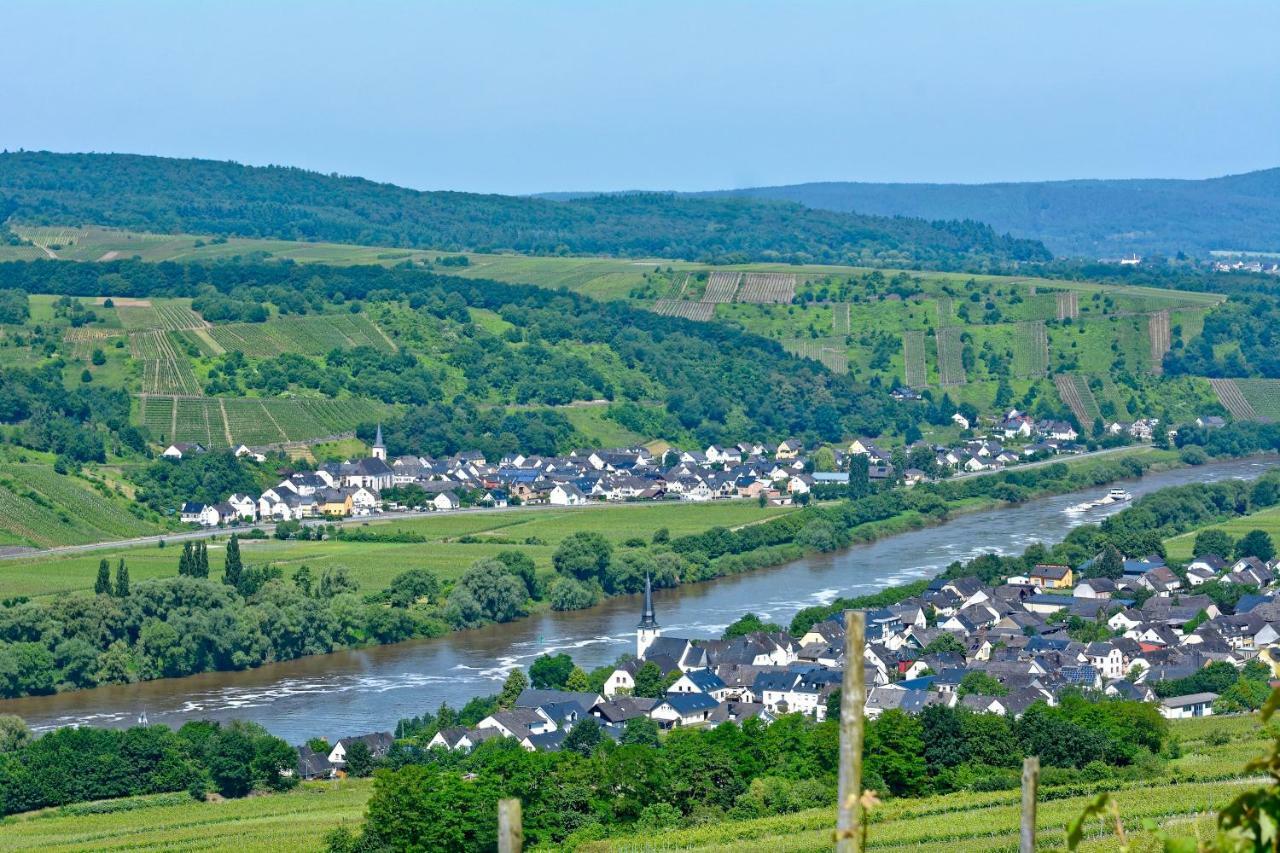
(1087, 218)
(211, 197)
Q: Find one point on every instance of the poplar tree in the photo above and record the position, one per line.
(122, 579)
(233, 567)
(185, 561)
(103, 584)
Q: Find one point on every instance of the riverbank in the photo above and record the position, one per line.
(367, 689)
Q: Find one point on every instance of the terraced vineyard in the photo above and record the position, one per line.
(226, 421)
(85, 339)
(39, 507)
(840, 318)
(682, 308)
(722, 286)
(313, 335)
(1159, 332)
(831, 354)
(950, 360)
(1031, 350)
(1249, 399)
(157, 314)
(914, 372)
(164, 369)
(1068, 305)
(767, 287)
(1074, 390)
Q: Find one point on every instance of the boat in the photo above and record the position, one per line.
(1114, 496)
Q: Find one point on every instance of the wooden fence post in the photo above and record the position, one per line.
(1030, 785)
(510, 827)
(853, 698)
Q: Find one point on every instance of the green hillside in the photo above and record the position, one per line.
(206, 197)
(1089, 218)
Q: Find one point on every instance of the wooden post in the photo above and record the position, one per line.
(853, 698)
(510, 827)
(1030, 784)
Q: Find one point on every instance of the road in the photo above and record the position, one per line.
(188, 535)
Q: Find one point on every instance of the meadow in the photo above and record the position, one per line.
(536, 532)
(1179, 547)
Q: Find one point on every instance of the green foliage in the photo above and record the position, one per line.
(512, 687)
(749, 623)
(980, 683)
(74, 764)
(1213, 541)
(550, 672)
(207, 197)
(486, 593)
(1256, 543)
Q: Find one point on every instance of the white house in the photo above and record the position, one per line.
(566, 494)
(445, 501)
(1193, 705)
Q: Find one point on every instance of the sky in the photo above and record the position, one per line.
(543, 95)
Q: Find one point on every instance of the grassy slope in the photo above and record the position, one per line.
(374, 564)
(299, 820)
(1179, 547)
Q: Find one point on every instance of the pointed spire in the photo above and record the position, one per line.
(377, 440)
(647, 617)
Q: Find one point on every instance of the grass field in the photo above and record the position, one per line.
(374, 564)
(1179, 547)
(297, 820)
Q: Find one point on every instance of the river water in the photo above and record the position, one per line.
(353, 692)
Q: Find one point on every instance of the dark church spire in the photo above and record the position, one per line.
(647, 618)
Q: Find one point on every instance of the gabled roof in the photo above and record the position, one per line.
(689, 703)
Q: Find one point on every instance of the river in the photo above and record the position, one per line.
(354, 692)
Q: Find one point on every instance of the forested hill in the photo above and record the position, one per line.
(208, 197)
(1093, 219)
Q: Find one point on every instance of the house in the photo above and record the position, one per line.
(700, 681)
(1193, 705)
(1048, 576)
(313, 765)
(683, 709)
(566, 494)
(445, 501)
(191, 513)
(246, 508)
(214, 514)
(1095, 588)
(244, 450)
(180, 449)
(378, 742)
(789, 449)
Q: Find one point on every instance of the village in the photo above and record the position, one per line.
(991, 649)
(776, 474)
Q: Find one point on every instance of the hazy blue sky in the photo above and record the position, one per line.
(544, 95)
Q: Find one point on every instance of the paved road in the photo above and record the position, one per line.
(186, 535)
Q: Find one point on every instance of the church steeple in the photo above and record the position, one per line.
(379, 449)
(648, 630)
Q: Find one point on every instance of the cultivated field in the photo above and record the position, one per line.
(767, 287)
(311, 335)
(841, 321)
(1231, 395)
(158, 314)
(1073, 389)
(682, 308)
(41, 508)
(723, 286)
(914, 373)
(225, 421)
(297, 820)
(1068, 305)
(1031, 350)
(950, 362)
(1161, 341)
(830, 353)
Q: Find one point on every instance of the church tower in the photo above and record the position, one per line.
(379, 449)
(647, 631)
